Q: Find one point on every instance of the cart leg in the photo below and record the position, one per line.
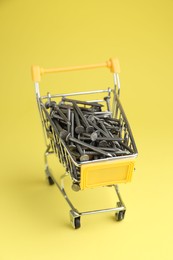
(47, 169)
(74, 214)
(121, 209)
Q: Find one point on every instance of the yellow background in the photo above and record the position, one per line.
(34, 219)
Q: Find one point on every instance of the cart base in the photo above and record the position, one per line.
(75, 215)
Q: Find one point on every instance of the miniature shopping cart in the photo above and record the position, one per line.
(103, 171)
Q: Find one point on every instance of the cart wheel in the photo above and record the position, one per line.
(120, 215)
(50, 180)
(77, 223)
(74, 219)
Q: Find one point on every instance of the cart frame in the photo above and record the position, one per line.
(55, 145)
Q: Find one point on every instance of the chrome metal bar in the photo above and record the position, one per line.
(116, 83)
(101, 211)
(119, 196)
(46, 155)
(113, 105)
(76, 93)
(96, 100)
(100, 113)
(37, 90)
(62, 190)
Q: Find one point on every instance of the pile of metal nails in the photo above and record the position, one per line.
(89, 132)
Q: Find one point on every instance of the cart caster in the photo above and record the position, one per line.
(119, 216)
(50, 180)
(74, 219)
(77, 223)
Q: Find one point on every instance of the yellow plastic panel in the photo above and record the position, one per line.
(106, 173)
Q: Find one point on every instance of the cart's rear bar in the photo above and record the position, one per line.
(76, 93)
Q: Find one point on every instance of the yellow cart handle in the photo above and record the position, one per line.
(112, 64)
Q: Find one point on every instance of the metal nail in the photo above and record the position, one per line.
(111, 120)
(60, 119)
(99, 114)
(104, 127)
(74, 153)
(103, 143)
(98, 128)
(93, 136)
(108, 126)
(117, 151)
(122, 152)
(83, 157)
(50, 104)
(94, 104)
(71, 145)
(64, 108)
(126, 147)
(53, 114)
(102, 138)
(69, 119)
(62, 132)
(89, 128)
(126, 138)
(95, 153)
(68, 137)
(79, 128)
(108, 149)
(75, 186)
(91, 153)
(59, 111)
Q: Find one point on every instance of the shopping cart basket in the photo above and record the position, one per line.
(100, 171)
